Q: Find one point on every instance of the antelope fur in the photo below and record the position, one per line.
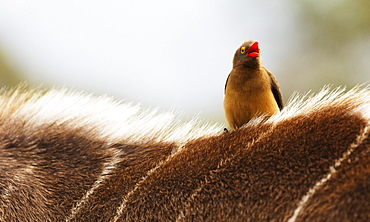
(71, 156)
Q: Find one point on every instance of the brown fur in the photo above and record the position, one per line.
(260, 172)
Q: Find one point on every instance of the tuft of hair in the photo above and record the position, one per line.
(356, 99)
(101, 117)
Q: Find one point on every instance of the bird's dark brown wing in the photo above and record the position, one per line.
(226, 82)
(276, 90)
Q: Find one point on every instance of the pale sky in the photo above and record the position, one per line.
(174, 55)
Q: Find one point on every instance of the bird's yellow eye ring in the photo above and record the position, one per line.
(242, 50)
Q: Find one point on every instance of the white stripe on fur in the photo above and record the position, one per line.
(333, 169)
(222, 163)
(120, 209)
(106, 173)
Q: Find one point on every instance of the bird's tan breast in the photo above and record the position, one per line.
(248, 98)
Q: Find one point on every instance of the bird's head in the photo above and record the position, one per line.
(248, 55)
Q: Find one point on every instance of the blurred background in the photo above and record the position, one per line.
(176, 55)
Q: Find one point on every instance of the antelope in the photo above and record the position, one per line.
(72, 156)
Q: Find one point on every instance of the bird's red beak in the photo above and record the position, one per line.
(254, 50)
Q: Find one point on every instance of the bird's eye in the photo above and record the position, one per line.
(242, 50)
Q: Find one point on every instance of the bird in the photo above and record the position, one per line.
(250, 90)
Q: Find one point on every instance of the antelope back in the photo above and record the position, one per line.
(67, 156)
